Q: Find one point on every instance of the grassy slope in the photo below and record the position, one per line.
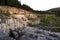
(48, 22)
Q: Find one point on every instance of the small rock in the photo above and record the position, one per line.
(5, 37)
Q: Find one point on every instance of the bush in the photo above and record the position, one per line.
(4, 15)
(51, 23)
(7, 14)
(50, 20)
(55, 29)
(14, 3)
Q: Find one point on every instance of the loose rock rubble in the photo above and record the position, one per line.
(31, 33)
(5, 37)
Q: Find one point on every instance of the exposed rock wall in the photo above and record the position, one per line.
(19, 18)
(7, 24)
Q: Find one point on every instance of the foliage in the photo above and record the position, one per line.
(14, 3)
(50, 23)
(7, 14)
(55, 29)
(57, 13)
(3, 14)
(26, 7)
(50, 20)
(41, 12)
(2, 2)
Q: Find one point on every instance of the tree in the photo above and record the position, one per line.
(2, 2)
(26, 7)
(14, 3)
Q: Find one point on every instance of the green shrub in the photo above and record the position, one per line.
(4, 15)
(7, 14)
(52, 23)
(14, 3)
(50, 20)
(55, 29)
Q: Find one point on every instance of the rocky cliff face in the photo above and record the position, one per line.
(15, 26)
(19, 18)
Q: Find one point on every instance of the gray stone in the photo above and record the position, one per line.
(5, 37)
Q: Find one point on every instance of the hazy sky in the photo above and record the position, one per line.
(42, 4)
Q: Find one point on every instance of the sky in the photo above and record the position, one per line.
(41, 4)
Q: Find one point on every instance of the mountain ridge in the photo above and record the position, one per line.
(55, 9)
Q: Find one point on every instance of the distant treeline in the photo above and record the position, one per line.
(16, 3)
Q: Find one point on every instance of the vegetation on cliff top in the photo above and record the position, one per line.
(4, 15)
(16, 3)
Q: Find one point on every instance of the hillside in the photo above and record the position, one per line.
(55, 9)
(30, 18)
(18, 17)
(20, 24)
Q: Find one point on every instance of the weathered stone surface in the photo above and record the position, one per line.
(5, 37)
(7, 24)
(17, 23)
(38, 34)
